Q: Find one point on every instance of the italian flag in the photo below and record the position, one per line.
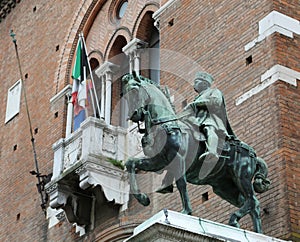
(79, 90)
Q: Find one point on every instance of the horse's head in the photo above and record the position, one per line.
(144, 95)
(135, 96)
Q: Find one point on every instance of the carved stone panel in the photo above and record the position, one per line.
(109, 142)
(72, 153)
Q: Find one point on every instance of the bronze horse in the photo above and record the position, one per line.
(169, 144)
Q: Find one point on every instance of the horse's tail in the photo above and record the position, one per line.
(261, 183)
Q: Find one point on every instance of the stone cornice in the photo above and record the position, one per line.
(275, 22)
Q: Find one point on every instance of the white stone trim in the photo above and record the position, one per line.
(66, 90)
(52, 216)
(79, 229)
(275, 73)
(133, 45)
(105, 73)
(275, 22)
(202, 227)
(133, 50)
(13, 101)
(157, 14)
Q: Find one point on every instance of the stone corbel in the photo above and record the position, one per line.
(76, 204)
(113, 181)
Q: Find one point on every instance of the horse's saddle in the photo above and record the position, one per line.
(198, 136)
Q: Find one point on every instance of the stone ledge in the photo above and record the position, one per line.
(274, 74)
(181, 227)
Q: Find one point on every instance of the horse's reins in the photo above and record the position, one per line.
(178, 117)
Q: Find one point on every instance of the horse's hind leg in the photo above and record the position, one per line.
(181, 185)
(255, 215)
(177, 167)
(251, 204)
(236, 216)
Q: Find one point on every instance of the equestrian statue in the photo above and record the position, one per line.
(196, 146)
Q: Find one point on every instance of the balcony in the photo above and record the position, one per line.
(88, 178)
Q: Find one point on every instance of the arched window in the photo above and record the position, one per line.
(94, 64)
(150, 61)
(154, 62)
(119, 106)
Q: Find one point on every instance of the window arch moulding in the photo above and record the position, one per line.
(122, 31)
(82, 21)
(150, 7)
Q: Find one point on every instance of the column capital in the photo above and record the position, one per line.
(106, 67)
(134, 45)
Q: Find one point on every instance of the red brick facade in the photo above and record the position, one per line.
(210, 35)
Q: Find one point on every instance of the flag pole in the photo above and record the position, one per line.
(94, 87)
(41, 181)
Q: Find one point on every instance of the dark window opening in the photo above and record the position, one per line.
(119, 109)
(171, 22)
(249, 60)
(154, 56)
(205, 197)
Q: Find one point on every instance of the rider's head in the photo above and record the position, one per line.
(202, 81)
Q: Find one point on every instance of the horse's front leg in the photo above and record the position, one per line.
(141, 197)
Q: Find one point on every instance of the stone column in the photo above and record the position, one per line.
(133, 50)
(105, 73)
(108, 92)
(69, 115)
(102, 99)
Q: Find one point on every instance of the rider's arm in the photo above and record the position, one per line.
(216, 98)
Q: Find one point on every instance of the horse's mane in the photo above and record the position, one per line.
(164, 91)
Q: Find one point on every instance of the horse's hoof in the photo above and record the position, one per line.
(234, 224)
(168, 189)
(143, 199)
(188, 212)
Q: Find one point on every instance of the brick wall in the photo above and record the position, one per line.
(40, 29)
(214, 35)
(210, 37)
